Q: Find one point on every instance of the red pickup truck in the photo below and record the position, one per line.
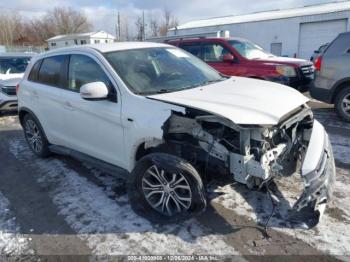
(241, 57)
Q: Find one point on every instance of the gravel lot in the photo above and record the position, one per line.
(58, 206)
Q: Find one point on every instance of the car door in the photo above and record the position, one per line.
(44, 84)
(213, 54)
(92, 127)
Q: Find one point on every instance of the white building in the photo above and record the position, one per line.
(289, 32)
(80, 39)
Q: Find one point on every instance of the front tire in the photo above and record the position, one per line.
(342, 104)
(35, 136)
(165, 188)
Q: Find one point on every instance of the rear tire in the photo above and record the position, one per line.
(35, 136)
(164, 188)
(342, 104)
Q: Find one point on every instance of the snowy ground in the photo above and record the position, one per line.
(94, 208)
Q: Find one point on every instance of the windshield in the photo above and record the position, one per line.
(13, 65)
(249, 50)
(161, 70)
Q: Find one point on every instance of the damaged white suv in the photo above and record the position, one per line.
(165, 119)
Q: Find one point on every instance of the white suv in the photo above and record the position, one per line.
(170, 123)
(12, 67)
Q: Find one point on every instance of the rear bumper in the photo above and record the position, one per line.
(9, 105)
(321, 94)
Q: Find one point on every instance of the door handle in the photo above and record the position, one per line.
(35, 93)
(68, 105)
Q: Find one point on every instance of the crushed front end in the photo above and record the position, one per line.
(254, 155)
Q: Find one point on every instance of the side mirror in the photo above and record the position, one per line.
(94, 91)
(228, 58)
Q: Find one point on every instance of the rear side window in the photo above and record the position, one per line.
(339, 46)
(194, 49)
(33, 75)
(50, 70)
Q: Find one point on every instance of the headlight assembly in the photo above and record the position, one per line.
(288, 71)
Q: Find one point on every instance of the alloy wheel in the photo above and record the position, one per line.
(346, 104)
(167, 193)
(33, 136)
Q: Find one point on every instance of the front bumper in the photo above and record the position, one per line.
(318, 172)
(8, 105)
(299, 83)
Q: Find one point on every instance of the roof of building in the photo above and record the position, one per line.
(269, 15)
(80, 35)
(105, 48)
(17, 54)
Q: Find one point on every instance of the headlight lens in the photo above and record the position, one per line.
(288, 71)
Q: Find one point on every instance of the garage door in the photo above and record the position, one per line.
(313, 35)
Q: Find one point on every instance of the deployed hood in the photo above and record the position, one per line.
(241, 100)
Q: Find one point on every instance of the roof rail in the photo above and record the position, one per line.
(189, 36)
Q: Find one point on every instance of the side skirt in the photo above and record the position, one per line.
(104, 166)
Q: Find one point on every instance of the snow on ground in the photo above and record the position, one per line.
(8, 120)
(329, 118)
(109, 226)
(341, 148)
(11, 243)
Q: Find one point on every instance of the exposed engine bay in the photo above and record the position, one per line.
(253, 155)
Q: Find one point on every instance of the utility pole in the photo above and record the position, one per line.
(119, 29)
(143, 26)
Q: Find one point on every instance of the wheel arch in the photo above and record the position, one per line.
(339, 86)
(23, 111)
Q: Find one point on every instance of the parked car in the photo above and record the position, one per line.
(240, 57)
(12, 67)
(169, 122)
(318, 52)
(332, 83)
(8, 98)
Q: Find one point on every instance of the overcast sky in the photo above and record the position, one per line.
(102, 13)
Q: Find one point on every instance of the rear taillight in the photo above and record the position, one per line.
(318, 63)
(17, 88)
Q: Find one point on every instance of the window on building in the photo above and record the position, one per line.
(66, 43)
(106, 41)
(83, 70)
(83, 42)
(53, 44)
(97, 41)
(50, 70)
(213, 52)
(75, 41)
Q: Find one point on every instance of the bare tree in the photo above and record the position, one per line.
(10, 27)
(140, 27)
(153, 24)
(58, 21)
(169, 21)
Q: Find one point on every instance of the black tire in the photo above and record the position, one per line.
(171, 165)
(344, 93)
(31, 127)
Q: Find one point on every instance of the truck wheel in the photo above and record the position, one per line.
(165, 188)
(342, 104)
(35, 136)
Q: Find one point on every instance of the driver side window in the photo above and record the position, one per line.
(213, 52)
(83, 70)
